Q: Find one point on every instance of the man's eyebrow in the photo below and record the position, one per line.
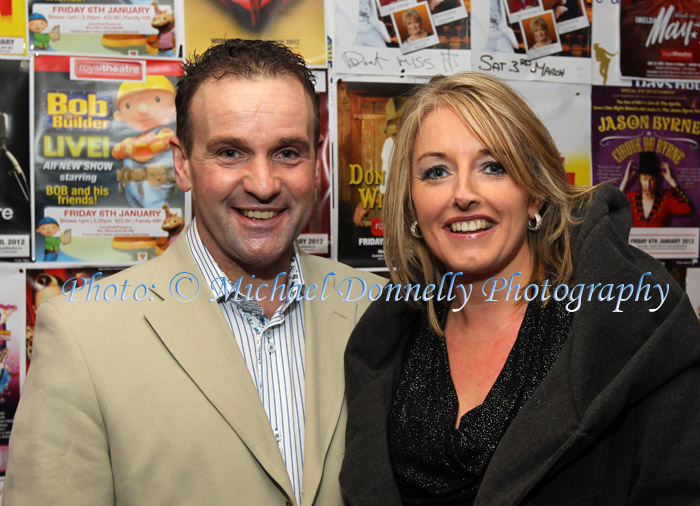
(295, 141)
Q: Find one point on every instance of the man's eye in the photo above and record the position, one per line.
(288, 154)
(229, 153)
(434, 172)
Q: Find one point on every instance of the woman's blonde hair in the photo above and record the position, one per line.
(412, 14)
(501, 120)
(539, 21)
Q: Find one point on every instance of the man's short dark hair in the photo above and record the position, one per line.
(240, 58)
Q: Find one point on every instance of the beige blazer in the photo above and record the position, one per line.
(149, 402)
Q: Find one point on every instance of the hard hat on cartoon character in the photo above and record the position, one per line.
(145, 105)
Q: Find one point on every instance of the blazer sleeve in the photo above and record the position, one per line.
(59, 452)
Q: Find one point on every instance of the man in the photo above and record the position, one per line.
(150, 400)
(652, 207)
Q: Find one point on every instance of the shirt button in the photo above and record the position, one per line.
(271, 347)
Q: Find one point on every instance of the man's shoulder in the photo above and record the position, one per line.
(133, 284)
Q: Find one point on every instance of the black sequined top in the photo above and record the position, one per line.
(435, 463)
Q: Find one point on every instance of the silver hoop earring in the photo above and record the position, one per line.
(415, 231)
(534, 227)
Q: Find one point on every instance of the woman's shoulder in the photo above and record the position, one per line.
(382, 330)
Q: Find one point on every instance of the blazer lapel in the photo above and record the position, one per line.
(200, 340)
(327, 325)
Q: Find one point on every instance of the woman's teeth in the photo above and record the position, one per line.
(470, 226)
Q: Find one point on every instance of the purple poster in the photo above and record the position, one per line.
(646, 141)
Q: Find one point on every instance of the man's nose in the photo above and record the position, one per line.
(261, 180)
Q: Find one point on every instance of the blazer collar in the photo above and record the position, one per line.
(199, 339)
(327, 324)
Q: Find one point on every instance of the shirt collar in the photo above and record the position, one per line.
(223, 289)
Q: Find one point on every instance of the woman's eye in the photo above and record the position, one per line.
(494, 169)
(434, 173)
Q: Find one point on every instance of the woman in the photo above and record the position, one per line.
(413, 22)
(490, 399)
(540, 32)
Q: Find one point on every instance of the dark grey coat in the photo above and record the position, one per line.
(615, 422)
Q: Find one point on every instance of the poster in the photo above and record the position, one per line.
(565, 109)
(368, 115)
(646, 141)
(112, 27)
(104, 179)
(401, 38)
(12, 368)
(606, 44)
(315, 239)
(537, 40)
(15, 193)
(660, 39)
(41, 285)
(13, 27)
(299, 24)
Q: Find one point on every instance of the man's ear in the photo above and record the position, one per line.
(183, 170)
(117, 115)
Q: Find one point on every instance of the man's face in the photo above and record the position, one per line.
(648, 184)
(252, 170)
(147, 109)
(37, 25)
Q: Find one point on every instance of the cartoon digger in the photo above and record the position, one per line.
(147, 178)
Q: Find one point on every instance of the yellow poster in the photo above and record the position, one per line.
(13, 27)
(298, 24)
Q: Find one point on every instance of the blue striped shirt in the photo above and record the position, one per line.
(272, 348)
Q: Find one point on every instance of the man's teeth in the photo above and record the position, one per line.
(470, 226)
(259, 215)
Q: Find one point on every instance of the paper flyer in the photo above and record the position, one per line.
(104, 179)
(315, 239)
(15, 174)
(659, 40)
(535, 40)
(401, 38)
(646, 141)
(13, 27)
(299, 24)
(109, 27)
(368, 115)
(692, 287)
(12, 332)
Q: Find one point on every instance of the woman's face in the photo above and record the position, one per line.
(471, 214)
(413, 26)
(539, 33)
